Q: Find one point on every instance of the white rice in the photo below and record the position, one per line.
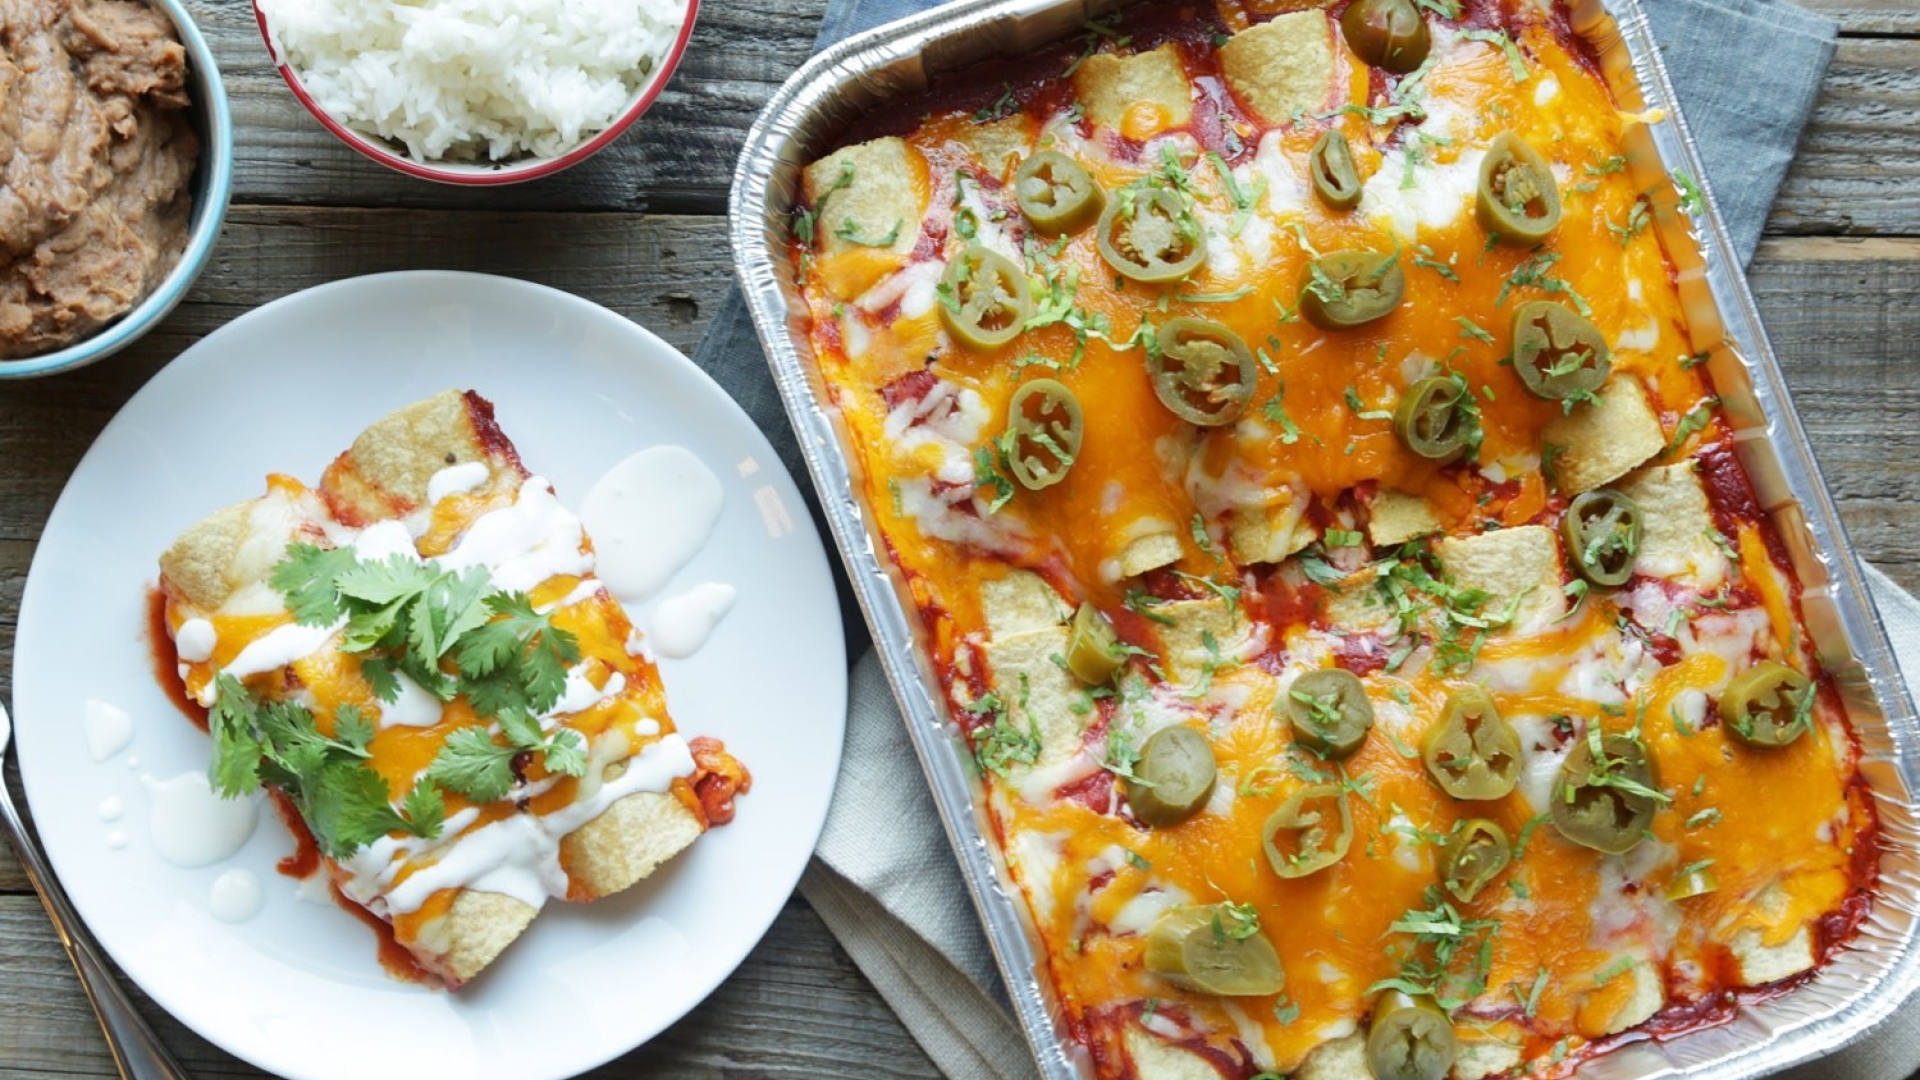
(474, 79)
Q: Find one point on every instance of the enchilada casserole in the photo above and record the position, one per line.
(1330, 545)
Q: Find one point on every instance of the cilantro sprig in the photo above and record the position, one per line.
(448, 631)
(345, 803)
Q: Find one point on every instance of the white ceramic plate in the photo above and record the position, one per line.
(298, 989)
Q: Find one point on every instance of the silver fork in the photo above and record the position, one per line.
(137, 1052)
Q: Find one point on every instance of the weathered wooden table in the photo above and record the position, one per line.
(641, 229)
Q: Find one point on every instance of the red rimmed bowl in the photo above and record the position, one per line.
(395, 155)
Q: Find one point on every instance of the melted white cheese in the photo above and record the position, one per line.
(1440, 193)
(1138, 915)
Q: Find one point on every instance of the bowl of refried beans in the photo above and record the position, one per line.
(116, 165)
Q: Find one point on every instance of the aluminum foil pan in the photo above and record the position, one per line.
(1863, 984)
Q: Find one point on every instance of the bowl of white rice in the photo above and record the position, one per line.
(476, 91)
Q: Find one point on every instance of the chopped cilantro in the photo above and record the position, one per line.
(1692, 200)
(1471, 329)
(1498, 39)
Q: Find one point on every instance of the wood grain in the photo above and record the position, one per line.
(1856, 170)
(1888, 18)
(796, 1008)
(637, 230)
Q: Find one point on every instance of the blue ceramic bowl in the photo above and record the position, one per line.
(212, 188)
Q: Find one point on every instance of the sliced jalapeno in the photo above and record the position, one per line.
(1335, 180)
(1201, 371)
(1471, 751)
(1173, 777)
(1056, 192)
(985, 300)
(1768, 705)
(1692, 881)
(1602, 530)
(1388, 34)
(1410, 1038)
(1351, 288)
(1207, 949)
(1330, 711)
(1148, 234)
(1472, 856)
(1435, 417)
(1311, 831)
(1556, 353)
(1044, 430)
(1517, 200)
(1093, 649)
(1604, 797)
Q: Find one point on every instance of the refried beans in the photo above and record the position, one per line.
(95, 157)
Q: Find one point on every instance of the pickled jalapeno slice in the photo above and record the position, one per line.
(984, 298)
(1335, 180)
(1517, 200)
(1209, 949)
(1409, 1038)
(1172, 779)
(1148, 234)
(1472, 856)
(1387, 34)
(1768, 705)
(1602, 531)
(1311, 831)
(1056, 193)
(1435, 417)
(1351, 288)
(1471, 751)
(1202, 372)
(1330, 711)
(1605, 795)
(1695, 880)
(1044, 432)
(1093, 649)
(1556, 353)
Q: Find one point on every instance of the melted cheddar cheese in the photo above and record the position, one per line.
(1232, 559)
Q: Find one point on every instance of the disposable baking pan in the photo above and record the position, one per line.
(1863, 983)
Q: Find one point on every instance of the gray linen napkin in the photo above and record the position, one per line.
(883, 879)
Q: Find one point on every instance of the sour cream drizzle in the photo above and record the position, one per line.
(191, 826)
(517, 856)
(681, 624)
(653, 512)
(649, 515)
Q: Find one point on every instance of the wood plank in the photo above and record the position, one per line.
(1858, 171)
(1887, 18)
(797, 1008)
(1841, 312)
(679, 156)
(1840, 315)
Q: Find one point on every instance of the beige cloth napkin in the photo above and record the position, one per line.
(886, 884)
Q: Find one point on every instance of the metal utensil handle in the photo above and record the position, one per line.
(137, 1052)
